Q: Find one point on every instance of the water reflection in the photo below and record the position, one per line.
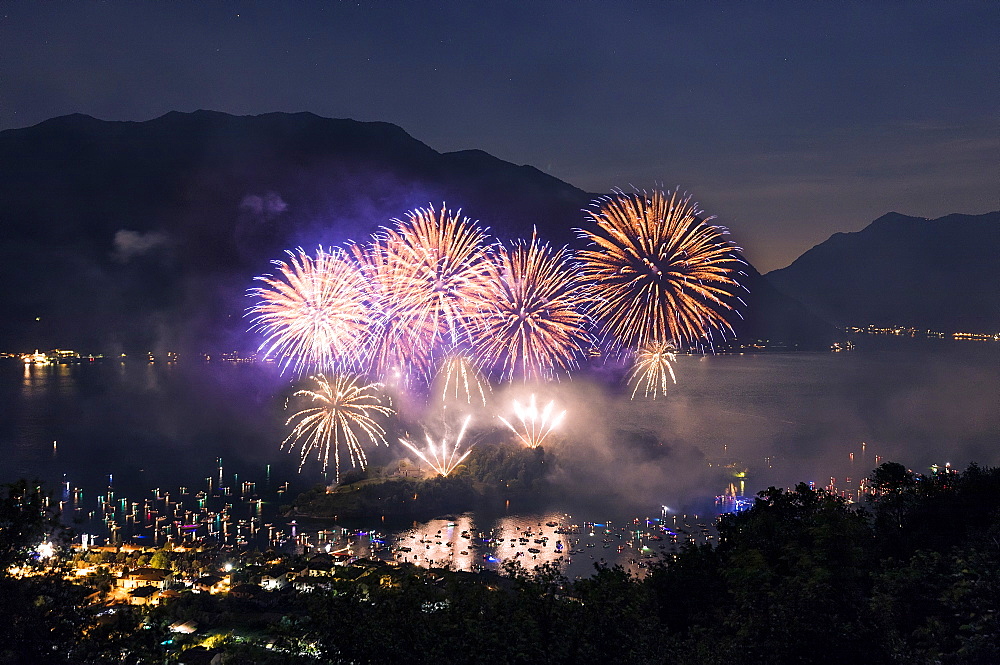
(573, 546)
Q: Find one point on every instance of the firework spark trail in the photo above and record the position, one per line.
(314, 314)
(535, 425)
(653, 369)
(661, 273)
(393, 355)
(428, 271)
(442, 459)
(531, 321)
(461, 380)
(344, 414)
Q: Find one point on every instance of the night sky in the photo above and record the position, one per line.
(790, 121)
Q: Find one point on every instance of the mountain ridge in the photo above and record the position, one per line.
(125, 235)
(903, 270)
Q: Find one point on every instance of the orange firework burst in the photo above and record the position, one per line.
(653, 369)
(343, 412)
(531, 322)
(314, 314)
(661, 272)
(427, 270)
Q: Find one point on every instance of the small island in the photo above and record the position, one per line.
(492, 476)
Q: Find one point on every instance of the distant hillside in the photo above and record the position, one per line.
(145, 235)
(941, 274)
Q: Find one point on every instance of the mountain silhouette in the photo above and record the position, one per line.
(137, 236)
(939, 274)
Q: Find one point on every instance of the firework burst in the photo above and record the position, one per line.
(442, 458)
(660, 271)
(653, 370)
(427, 270)
(343, 411)
(314, 314)
(535, 425)
(461, 380)
(530, 323)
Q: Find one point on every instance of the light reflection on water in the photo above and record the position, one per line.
(469, 543)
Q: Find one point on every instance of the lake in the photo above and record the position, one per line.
(138, 429)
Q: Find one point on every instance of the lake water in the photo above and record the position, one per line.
(143, 430)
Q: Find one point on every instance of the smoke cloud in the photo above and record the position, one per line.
(129, 245)
(264, 208)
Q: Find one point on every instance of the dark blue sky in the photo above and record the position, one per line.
(788, 120)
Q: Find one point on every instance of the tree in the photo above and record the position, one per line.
(26, 519)
(42, 616)
(894, 494)
(159, 560)
(796, 567)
